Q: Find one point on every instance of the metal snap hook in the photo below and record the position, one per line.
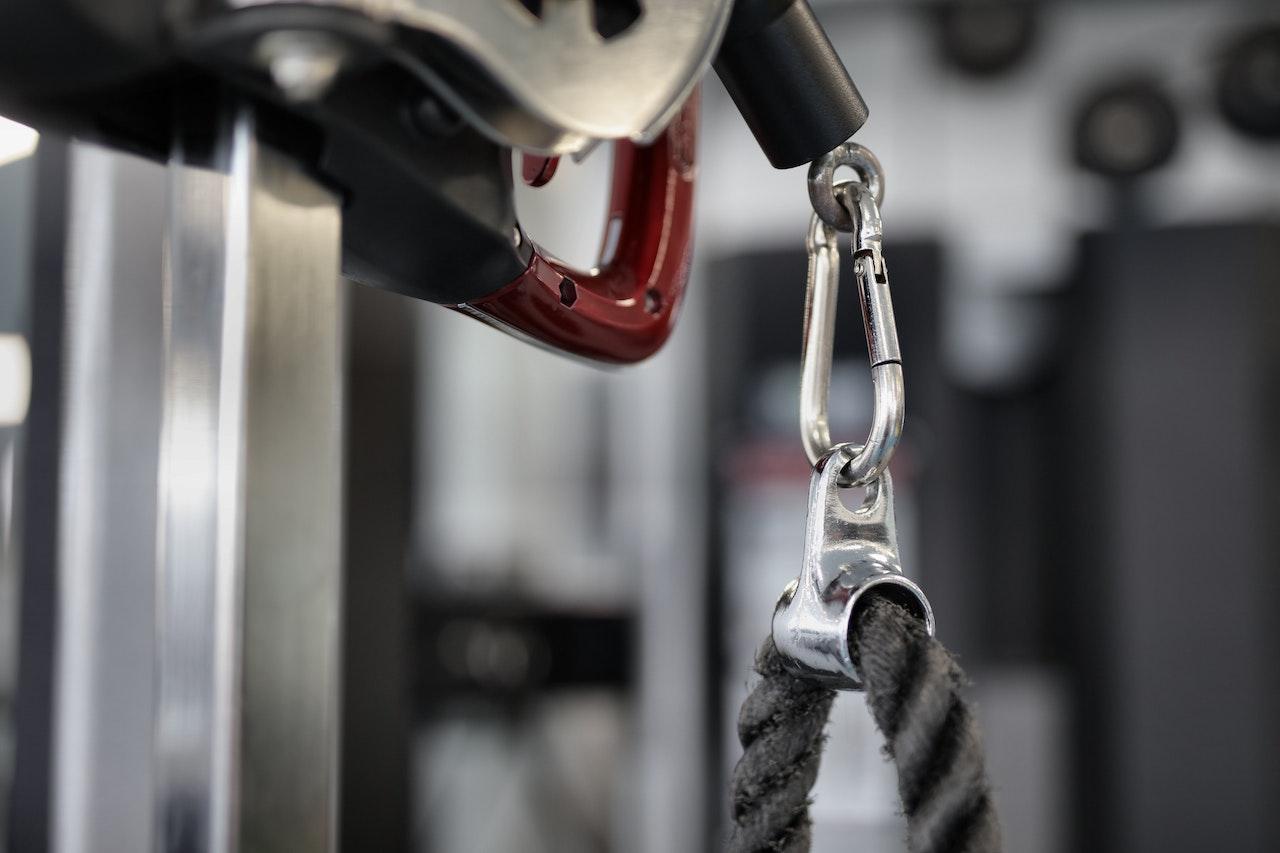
(871, 459)
(822, 182)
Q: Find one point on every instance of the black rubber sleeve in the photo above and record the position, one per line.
(789, 84)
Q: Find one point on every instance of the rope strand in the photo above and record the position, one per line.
(914, 689)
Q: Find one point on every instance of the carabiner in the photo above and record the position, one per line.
(873, 456)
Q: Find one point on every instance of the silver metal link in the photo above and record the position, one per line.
(885, 357)
(822, 183)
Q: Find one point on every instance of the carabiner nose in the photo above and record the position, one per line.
(882, 338)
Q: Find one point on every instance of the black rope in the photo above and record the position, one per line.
(914, 689)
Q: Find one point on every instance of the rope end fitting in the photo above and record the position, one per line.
(850, 557)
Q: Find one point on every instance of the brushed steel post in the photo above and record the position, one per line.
(250, 504)
(182, 689)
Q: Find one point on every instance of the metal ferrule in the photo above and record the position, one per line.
(847, 554)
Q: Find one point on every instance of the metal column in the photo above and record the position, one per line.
(250, 507)
(199, 511)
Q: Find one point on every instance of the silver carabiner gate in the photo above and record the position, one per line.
(859, 201)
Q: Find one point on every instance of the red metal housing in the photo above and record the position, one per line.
(623, 311)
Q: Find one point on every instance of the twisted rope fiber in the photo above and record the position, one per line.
(914, 688)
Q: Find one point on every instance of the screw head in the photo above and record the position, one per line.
(303, 63)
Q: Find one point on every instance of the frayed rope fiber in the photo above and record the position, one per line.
(913, 688)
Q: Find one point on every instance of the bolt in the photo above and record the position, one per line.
(433, 117)
(303, 63)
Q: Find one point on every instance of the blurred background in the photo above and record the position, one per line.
(556, 576)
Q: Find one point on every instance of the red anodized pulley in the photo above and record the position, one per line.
(623, 311)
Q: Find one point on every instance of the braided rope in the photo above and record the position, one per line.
(914, 690)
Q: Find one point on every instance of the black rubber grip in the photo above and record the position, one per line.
(787, 81)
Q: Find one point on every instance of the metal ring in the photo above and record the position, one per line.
(822, 178)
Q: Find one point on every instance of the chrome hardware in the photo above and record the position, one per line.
(882, 338)
(822, 182)
(847, 553)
